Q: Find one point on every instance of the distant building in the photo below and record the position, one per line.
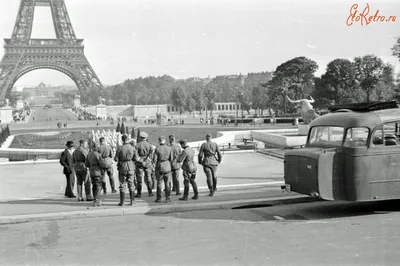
(47, 90)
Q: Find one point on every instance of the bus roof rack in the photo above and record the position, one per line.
(364, 107)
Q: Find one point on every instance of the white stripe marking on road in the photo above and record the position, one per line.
(248, 185)
(279, 218)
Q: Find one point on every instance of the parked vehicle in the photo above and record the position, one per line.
(351, 154)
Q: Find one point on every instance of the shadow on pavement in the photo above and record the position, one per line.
(320, 210)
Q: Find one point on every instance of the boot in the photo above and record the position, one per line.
(139, 191)
(210, 185)
(131, 195)
(195, 190)
(178, 190)
(185, 193)
(121, 198)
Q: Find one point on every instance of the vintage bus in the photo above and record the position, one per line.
(351, 154)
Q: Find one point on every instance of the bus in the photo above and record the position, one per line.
(351, 154)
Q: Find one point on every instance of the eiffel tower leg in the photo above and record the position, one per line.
(6, 77)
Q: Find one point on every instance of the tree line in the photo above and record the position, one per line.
(366, 78)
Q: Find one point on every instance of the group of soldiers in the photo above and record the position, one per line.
(138, 162)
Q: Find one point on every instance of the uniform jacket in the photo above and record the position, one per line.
(163, 158)
(187, 159)
(107, 153)
(144, 151)
(67, 162)
(125, 157)
(95, 163)
(209, 154)
(79, 159)
(176, 150)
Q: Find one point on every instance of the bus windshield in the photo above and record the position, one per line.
(326, 136)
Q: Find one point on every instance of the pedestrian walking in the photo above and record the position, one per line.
(162, 161)
(186, 157)
(144, 164)
(66, 161)
(96, 164)
(175, 166)
(82, 177)
(210, 157)
(124, 157)
(106, 152)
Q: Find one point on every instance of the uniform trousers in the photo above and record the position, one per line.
(166, 178)
(83, 178)
(97, 182)
(175, 180)
(211, 174)
(110, 173)
(146, 173)
(126, 177)
(189, 178)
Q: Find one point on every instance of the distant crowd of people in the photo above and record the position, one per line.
(137, 163)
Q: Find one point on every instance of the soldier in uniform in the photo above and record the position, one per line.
(162, 161)
(210, 157)
(95, 163)
(186, 157)
(143, 164)
(153, 171)
(82, 177)
(175, 166)
(124, 157)
(107, 154)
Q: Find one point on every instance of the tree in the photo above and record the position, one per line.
(396, 48)
(370, 70)
(122, 129)
(210, 96)
(127, 130)
(338, 83)
(256, 98)
(190, 104)
(198, 96)
(298, 74)
(118, 128)
(178, 98)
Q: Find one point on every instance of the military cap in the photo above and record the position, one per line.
(172, 136)
(95, 145)
(183, 142)
(144, 135)
(208, 135)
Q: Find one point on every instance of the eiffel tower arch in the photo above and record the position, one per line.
(65, 53)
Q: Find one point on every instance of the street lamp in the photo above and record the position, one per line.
(157, 99)
(237, 105)
(206, 107)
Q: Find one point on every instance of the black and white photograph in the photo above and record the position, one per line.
(200, 132)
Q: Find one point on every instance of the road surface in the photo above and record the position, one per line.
(320, 233)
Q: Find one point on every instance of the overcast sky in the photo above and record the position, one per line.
(187, 38)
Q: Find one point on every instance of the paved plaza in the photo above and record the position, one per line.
(321, 233)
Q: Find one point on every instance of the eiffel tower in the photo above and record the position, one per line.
(64, 54)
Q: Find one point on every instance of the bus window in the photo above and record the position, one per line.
(378, 137)
(390, 134)
(326, 136)
(356, 137)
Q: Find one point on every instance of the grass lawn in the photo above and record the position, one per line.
(191, 133)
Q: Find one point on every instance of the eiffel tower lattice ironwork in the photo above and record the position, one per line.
(65, 53)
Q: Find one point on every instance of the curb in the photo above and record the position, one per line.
(151, 210)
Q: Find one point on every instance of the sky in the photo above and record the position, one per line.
(200, 38)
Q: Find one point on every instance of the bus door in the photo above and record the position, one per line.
(384, 162)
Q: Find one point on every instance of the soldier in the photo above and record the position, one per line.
(95, 163)
(162, 161)
(107, 154)
(124, 157)
(153, 171)
(143, 164)
(175, 166)
(207, 158)
(82, 177)
(189, 170)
